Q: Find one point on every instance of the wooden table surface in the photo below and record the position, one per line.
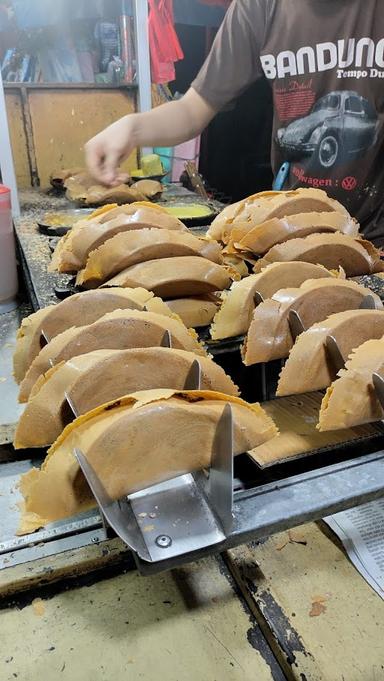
(292, 607)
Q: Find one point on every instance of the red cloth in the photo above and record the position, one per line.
(163, 41)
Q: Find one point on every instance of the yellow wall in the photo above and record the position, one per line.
(18, 138)
(63, 119)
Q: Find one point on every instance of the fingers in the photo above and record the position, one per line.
(123, 178)
(94, 158)
(103, 162)
(107, 150)
(109, 171)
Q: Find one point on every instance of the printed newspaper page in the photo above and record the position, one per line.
(361, 530)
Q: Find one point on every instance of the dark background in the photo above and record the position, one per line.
(235, 150)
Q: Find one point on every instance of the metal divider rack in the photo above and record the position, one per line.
(204, 513)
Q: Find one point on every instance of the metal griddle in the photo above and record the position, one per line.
(264, 502)
(186, 517)
(195, 515)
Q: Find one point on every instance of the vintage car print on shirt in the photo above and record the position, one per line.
(340, 127)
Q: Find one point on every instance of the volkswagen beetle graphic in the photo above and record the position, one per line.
(341, 126)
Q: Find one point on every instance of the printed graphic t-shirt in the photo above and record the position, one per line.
(325, 62)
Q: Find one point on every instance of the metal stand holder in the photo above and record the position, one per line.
(336, 357)
(198, 515)
(180, 515)
(189, 516)
(269, 371)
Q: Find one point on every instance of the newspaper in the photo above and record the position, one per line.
(361, 530)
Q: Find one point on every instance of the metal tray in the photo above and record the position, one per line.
(198, 221)
(64, 535)
(307, 489)
(324, 480)
(10, 409)
(58, 223)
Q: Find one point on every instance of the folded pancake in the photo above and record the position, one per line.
(84, 189)
(103, 376)
(98, 194)
(269, 336)
(355, 256)
(195, 312)
(150, 188)
(235, 314)
(267, 205)
(176, 277)
(100, 214)
(264, 206)
(77, 310)
(103, 215)
(237, 262)
(58, 177)
(116, 331)
(130, 248)
(72, 251)
(133, 443)
(351, 399)
(109, 211)
(262, 237)
(309, 366)
(215, 230)
(78, 185)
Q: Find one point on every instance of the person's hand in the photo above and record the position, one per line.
(105, 152)
(164, 126)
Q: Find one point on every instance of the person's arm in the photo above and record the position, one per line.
(231, 66)
(166, 125)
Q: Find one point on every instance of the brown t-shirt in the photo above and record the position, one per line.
(325, 62)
